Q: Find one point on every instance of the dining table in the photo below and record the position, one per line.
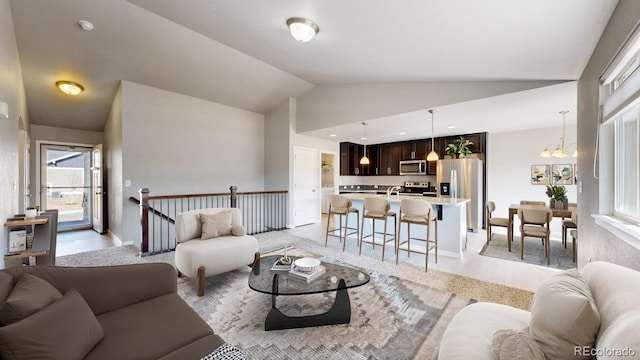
(513, 210)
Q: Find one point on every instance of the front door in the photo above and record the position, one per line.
(97, 190)
(65, 184)
(305, 179)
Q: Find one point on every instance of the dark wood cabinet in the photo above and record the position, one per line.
(478, 139)
(385, 158)
(372, 152)
(413, 150)
(350, 154)
(389, 159)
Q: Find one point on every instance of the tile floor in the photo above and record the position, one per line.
(510, 273)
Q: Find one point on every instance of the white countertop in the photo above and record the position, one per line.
(394, 198)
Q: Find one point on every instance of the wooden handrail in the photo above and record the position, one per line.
(164, 197)
(156, 212)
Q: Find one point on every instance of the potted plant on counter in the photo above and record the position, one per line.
(458, 148)
(558, 196)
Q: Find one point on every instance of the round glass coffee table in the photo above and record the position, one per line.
(278, 283)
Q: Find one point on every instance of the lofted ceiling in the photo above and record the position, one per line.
(239, 53)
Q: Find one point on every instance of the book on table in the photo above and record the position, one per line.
(307, 276)
(281, 268)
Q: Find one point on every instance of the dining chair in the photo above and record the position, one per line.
(418, 212)
(532, 202)
(568, 224)
(494, 221)
(378, 209)
(574, 234)
(341, 206)
(535, 223)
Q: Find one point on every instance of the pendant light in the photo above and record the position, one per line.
(364, 160)
(560, 151)
(433, 156)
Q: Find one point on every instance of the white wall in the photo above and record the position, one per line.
(12, 92)
(509, 159)
(177, 144)
(595, 242)
(278, 125)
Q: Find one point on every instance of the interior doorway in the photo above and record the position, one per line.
(305, 179)
(65, 184)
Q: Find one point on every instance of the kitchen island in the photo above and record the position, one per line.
(452, 221)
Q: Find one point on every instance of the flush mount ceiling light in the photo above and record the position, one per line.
(302, 29)
(559, 152)
(364, 160)
(433, 155)
(69, 87)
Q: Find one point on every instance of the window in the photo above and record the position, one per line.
(619, 144)
(626, 205)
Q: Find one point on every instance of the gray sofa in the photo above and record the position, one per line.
(139, 314)
(615, 291)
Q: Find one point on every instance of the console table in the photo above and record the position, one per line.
(41, 236)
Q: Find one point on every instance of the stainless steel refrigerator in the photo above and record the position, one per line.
(469, 186)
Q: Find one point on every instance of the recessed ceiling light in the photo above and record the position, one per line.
(363, 138)
(402, 133)
(302, 29)
(69, 87)
(85, 25)
(451, 127)
(332, 135)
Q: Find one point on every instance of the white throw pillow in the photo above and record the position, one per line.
(564, 316)
(214, 225)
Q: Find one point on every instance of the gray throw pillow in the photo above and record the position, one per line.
(6, 285)
(29, 295)
(66, 329)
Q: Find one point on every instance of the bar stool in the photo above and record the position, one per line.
(417, 212)
(341, 206)
(377, 209)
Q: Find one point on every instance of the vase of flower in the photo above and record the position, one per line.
(557, 197)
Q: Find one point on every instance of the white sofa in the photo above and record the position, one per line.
(199, 259)
(615, 291)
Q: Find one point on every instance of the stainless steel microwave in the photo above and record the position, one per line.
(413, 167)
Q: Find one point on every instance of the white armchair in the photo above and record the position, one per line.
(229, 248)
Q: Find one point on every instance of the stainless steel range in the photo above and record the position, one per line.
(417, 188)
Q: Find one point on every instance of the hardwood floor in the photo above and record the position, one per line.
(73, 242)
(510, 273)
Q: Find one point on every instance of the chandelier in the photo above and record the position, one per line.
(560, 151)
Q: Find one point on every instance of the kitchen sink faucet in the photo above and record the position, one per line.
(390, 191)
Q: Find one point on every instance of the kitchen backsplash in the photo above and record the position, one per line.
(384, 180)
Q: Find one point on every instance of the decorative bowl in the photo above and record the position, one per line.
(307, 264)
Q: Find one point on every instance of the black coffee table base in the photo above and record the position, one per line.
(340, 312)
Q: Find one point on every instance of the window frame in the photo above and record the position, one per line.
(619, 97)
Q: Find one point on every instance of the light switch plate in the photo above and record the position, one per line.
(127, 183)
